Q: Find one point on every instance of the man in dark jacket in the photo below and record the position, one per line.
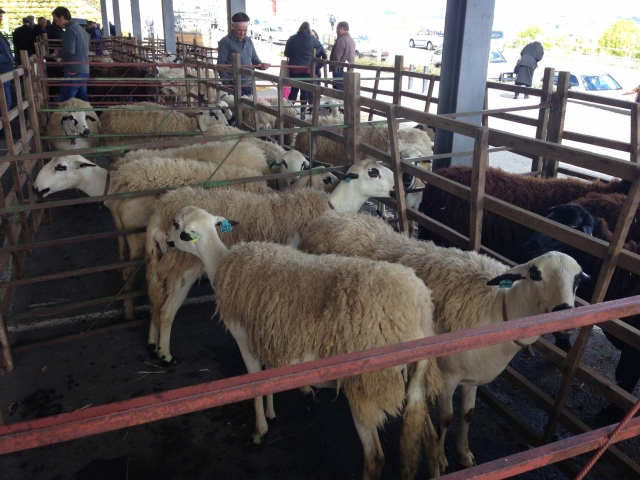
(54, 32)
(344, 50)
(22, 40)
(74, 51)
(529, 57)
(96, 35)
(38, 29)
(6, 63)
(299, 51)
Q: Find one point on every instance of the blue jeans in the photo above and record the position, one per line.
(340, 75)
(304, 94)
(72, 90)
(7, 93)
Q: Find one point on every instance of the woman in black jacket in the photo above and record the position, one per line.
(299, 51)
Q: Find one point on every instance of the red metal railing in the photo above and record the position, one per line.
(105, 418)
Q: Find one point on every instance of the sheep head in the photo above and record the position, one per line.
(62, 173)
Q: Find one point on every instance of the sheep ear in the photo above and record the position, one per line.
(509, 277)
(64, 119)
(86, 164)
(419, 126)
(91, 118)
(327, 180)
(587, 228)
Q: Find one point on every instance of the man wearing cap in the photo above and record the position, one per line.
(238, 42)
(6, 62)
(75, 54)
(22, 40)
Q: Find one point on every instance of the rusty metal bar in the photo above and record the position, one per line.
(542, 456)
(92, 421)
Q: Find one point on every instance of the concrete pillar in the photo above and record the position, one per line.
(116, 17)
(169, 26)
(233, 7)
(136, 19)
(465, 58)
(105, 18)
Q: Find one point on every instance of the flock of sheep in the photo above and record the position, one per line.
(371, 285)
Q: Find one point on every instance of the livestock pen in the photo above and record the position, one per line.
(22, 435)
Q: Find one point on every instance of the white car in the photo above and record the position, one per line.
(497, 63)
(426, 38)
(587, 81)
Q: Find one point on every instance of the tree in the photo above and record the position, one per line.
(530, 33)
(622, 35)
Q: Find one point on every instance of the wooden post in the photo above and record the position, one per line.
(478, 176)
(396, 166)
(315, 120)
(397, 79)
(7, 357)
(187, 84)
(254, 97)
(572, 360)
(556, 124)
(543, 114)
(427, 103)
(376, 85)
(279, 121)
(352, 116)
(237, 87)
(635, 132)
(485, 118)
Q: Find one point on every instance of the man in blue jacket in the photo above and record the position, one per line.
(96, 35)
(75, 48)
(238, 42)
(6, 62)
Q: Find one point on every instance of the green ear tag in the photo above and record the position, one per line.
(505, 284)
(194, 236)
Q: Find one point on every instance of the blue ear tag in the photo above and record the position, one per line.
(505, 284)
(347, 180)
(225, 226)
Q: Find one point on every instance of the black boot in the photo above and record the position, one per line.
(526, 96)
(516, 95)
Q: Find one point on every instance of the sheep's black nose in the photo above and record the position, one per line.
(40, 193)
(232, 120)
(86, 133)
(171, 244)
(562, 306)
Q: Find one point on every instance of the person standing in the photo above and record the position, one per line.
(39, 29)
(6, 63)
(22, 40)
(74, 54)
(54, 32)
(320, 52)
(238, 42)
(332, 21)
(95, 35)
(112, 29)
(529, 57)
(344, 50)
(299, 51)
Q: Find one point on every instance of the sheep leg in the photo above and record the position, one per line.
(373, 454)
(136, 251)
(271, 413)
(467, 407)
(417, 428)
(445, 405)
(253, 364)
(176, 293)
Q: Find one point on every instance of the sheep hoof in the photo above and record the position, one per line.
(563, 344)
(151, 348)
(272, 421)
(467, 460)
(170, 363)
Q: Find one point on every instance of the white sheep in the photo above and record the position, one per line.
(464, 293)
(146, 173)
(356, 306)
(327, 107)
(81, 123)
(279, 218)
(272, 151)
(152, 119)
(291, 161)
(320, 181)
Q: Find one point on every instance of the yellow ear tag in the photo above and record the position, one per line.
(194, 237)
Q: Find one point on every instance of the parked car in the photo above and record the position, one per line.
(497, 40)
(426, 38)
(367, 48)
(497, 63)
(271, 33)
(594, 82)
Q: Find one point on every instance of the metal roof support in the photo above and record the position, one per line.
(233, 7)
(169, 26)
(116, 17)
(136, 20)
(463, 78)
(105, 18)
